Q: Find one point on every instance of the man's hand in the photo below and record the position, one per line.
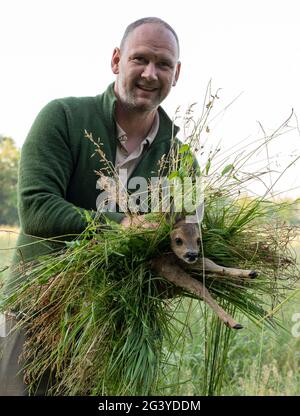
(138, 221)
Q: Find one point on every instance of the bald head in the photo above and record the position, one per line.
(147, 20)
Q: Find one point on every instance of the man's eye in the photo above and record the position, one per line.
(139, 59)
(164, 64)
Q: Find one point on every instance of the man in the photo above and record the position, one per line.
(57, 180)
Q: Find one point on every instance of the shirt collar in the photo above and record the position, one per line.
(122, 136)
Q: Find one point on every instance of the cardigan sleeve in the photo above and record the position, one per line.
(45, 170)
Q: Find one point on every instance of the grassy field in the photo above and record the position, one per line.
(8, 238)
(260, 362)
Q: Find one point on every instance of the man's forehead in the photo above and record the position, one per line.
(152, 34)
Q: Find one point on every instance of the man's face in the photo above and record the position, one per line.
(146, 67)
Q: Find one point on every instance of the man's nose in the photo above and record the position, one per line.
(150, 72)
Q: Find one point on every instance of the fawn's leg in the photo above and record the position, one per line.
(210, 266)
(167, 266)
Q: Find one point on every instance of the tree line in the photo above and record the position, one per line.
(9, 162)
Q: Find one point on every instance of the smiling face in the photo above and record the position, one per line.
(146, 67)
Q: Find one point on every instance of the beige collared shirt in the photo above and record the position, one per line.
(128, 161)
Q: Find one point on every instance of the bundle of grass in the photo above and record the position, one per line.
(94, 316)
(101, 320)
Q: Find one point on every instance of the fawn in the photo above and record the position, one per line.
(185, 244)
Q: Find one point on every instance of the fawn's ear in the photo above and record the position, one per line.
(172, 217)
(198, 215)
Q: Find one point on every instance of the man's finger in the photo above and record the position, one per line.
(150, 225)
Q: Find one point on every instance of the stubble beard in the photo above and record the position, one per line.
(134, 104)
(131, 102)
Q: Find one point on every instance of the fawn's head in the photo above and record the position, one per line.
(185, 240)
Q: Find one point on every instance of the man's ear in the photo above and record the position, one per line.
(177, 72)
(115, 60)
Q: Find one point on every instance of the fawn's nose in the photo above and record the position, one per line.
(191, 256)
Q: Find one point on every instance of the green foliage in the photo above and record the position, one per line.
(106, 325)
(98, 313)
(9, 159)
(228, 169)
(99, 318)
(291, 212)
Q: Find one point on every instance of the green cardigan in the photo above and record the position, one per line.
(57, 172)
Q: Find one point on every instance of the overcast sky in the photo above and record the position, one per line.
(249, 48)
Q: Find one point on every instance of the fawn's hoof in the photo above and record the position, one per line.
(253, 274)
(238, 326)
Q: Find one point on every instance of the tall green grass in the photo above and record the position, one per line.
(259, 362)
(102, 322)
(98, 320)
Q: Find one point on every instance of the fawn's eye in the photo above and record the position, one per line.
(178, 241)
(198, 241)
